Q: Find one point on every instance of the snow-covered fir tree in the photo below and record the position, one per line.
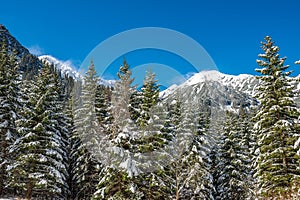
(154, 181)
(277, 165)
(117, 180)
(9, 104)
(103, 107)
(149, 98)
(87, 167)
(135, 105)
(190, 168)
(38, 169)
(64, 126)
(248, 146)
(199, 154)
(232, 171)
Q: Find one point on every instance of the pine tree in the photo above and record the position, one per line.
(233, 165)
(38, 169)
(190, 148)
(149, 98)
(64, 125)
(86, 131)
(118, 174)
(152, 158)
(103, 106)
(277, 164)
(9, 92)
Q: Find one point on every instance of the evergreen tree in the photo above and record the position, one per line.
(190, 168)
(103, 106)
(38, 170)
(86, 130)
(150, 94)
(9, 92)
(233, 165)
(152, 158)
(117, 180)
(135, 105)
(277, 164)
(64, 126)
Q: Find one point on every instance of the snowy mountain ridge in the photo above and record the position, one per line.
(242, 82)
(66, 67)
(245, 83)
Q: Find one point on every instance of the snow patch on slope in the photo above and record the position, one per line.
(66, 67)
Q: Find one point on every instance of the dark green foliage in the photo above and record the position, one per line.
(277, 164)
(149, 98)
(232, 171)
(9, 92)
(38, 169)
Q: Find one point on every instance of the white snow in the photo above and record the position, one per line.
(239, 82)
(297, 144)
(65, 66)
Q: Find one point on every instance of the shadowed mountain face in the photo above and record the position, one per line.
(28, 63)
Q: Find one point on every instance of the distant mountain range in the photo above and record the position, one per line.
(212, 87)
(220, 90)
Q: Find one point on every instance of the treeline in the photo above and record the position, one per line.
(62, 138)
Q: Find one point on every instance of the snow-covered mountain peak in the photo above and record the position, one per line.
(65, 66)
(204, 76)
(216, 76)
(243, 82)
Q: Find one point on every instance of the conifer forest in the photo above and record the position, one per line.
(74, 138)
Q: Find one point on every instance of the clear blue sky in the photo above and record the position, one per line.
(230, 31)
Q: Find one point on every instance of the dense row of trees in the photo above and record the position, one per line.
(66, 139)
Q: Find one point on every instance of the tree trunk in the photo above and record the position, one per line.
(29, 190)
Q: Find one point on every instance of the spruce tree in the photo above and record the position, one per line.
(117, 180)
(232, 170)
(152, 158)
(190, 168)
(149, 98)
(103, 107)
(86, 130)
(277, 164)
(38, 170)
(9, 104)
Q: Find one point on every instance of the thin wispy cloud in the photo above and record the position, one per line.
(36, 50)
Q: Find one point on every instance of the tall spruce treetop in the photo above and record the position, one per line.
(150, 93)
(277, 165)
(87, 127)
(121, 97)
(117, 176)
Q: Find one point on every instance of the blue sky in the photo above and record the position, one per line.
(230, 31)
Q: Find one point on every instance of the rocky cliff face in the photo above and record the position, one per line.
(27, 62)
